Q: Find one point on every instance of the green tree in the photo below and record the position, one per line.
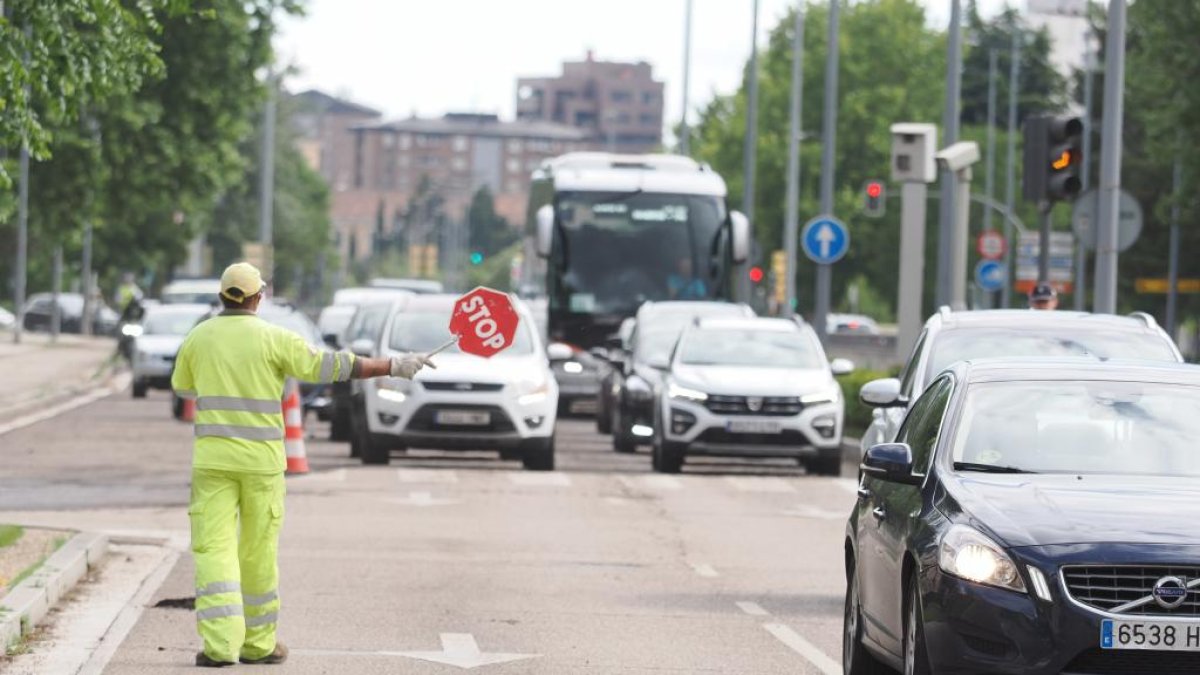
(891, 67)
(489, 232)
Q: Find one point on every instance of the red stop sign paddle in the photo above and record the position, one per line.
(484, 321)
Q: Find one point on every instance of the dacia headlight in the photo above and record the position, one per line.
(532, 392)
(968, 554)
(830, 394)
(682, 393)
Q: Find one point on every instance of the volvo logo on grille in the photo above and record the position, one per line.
(1170, 592)
(754, 403)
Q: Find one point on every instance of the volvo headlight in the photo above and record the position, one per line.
(831, 394)
(531, 392)
(967, 554)
(682, 393)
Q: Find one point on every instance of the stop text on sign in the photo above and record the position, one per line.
(483, 324)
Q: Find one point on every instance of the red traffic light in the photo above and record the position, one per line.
(874, 189)
(756, 274)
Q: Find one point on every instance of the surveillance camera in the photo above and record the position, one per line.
(959, 156)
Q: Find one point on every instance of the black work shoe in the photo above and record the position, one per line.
(203, 661)
(273, 659)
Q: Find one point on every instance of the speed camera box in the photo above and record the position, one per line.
(913, 147)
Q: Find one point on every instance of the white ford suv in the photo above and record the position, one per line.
(752, 387)
(507, 403)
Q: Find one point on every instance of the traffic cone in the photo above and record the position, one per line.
(293, 430)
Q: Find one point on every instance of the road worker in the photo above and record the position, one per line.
(234, 365)
(1043, 296)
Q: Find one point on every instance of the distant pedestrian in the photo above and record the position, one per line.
(127, 293)
(1043, 296)
(234, 366)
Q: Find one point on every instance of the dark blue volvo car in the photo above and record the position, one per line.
(1036, 517)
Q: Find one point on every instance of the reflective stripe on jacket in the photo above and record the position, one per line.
(234, 366)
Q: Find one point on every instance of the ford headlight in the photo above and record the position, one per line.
(831, 394)
(967, 554)
(682, 393)
(393, 389)
(532, 392)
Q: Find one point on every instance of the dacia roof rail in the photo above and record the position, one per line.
(1146, 318)
(945, 311)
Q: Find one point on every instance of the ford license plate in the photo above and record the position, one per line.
(754, 427)
(1178, 636)
(462, 418)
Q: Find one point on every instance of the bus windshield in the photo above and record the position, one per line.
(615, 251)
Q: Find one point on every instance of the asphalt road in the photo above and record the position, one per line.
(600, 567)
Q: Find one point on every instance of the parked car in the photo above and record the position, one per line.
(192, 291)
(637, 372)
(1033, 516)
(850, 324)
(39, 311)
(954, 336)
(749, 387)
(156, 341)
(507, 403)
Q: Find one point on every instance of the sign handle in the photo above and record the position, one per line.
(445, 346)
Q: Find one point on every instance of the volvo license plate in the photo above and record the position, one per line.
(1179, 636)
(462, 418)
(754, 427)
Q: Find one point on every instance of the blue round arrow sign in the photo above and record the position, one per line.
(989, 275)
(825, 239)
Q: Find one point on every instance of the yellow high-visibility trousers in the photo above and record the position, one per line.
(237, 578)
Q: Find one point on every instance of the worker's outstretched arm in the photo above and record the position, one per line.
(405, 366)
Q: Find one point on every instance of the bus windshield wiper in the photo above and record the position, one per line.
(989, 468)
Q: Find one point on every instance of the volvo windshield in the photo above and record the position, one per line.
(615, 251)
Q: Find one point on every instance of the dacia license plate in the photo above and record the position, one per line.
(462, 418)
(1178, 636)
(754, 427)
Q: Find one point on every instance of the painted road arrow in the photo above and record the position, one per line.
(423, 499)
(461, 651)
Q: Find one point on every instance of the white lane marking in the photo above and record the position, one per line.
(847, 484)
(618, 501)
(335, 476)
(119, 384)
(462, 651)
(422, 499)
(752, 608)
(704, 570)
(427, 476)
(760, 484)
(540, 479)
(804, 648)
(651, 482)
(120, 628)
(806, 511)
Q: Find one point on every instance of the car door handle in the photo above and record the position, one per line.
(879, 513)
(863, 494)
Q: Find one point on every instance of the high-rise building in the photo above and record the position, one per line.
(618, 105)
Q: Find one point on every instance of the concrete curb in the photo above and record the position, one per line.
(27, 604)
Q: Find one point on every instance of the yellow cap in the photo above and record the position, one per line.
(240, 281)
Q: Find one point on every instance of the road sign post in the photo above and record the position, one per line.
(989, 275)
(991, 245)
(485, 322)
(825, 240)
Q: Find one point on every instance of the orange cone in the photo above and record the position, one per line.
(293, 430)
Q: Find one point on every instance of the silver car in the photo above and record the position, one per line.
(156, 341)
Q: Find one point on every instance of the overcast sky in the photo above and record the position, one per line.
(433, 56)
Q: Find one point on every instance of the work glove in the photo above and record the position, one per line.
(409, 365)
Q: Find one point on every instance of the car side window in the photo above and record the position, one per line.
(911, 367)
(923, 425)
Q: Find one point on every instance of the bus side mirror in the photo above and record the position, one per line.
(739, 230)
(545, 230)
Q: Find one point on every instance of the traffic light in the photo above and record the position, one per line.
(756, 274)
(1053, 156)
(875, 195)
(476, 258)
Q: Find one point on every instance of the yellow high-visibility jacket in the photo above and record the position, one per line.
(234, 366)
